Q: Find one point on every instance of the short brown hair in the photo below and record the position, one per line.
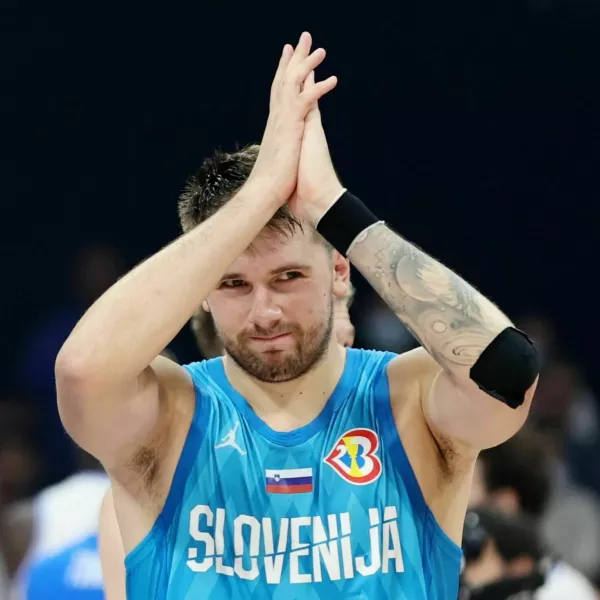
(523, 464)
(216, 182)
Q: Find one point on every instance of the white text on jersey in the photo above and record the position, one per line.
(330, 553)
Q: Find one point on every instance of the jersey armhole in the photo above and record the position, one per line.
(393, 444)
(189, 452)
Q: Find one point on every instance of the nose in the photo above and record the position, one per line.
(266, 310)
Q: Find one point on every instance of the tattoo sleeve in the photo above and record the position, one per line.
(449, 317)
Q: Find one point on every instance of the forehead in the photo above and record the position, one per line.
(271, 250)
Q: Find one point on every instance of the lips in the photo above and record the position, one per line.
(270, 338)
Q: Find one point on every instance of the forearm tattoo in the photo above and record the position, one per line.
(449, 317)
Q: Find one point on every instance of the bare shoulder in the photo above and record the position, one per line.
(442, 466)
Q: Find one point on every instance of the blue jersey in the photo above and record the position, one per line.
(72, 574)
(328, 511)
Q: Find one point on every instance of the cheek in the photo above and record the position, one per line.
(311, 304)
(229, 314)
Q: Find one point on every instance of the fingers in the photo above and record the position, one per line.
(307, 65)
(286, 55)
(313, 112)
(302, 49)
(309, 81)
(303, 62)
(316, 91)
(296, 72)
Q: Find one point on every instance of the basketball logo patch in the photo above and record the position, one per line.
(354, 458)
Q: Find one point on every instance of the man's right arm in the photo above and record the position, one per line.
(113, 393)
(116, 399)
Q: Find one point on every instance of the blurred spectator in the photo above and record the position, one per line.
(19, 463)
(18, 467)
(60, 516)
(4, 581)
(521, 476)
(566, 411)
(505, 558)
(380, 328)
(565, 407)
(96, 267)
(515, 476)
(74, 573)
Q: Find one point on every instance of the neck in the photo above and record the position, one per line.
(291, 404)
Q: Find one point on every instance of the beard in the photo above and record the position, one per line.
(309, 348)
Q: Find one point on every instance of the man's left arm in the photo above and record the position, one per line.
(482, 393)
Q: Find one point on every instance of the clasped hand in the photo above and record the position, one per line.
(294, 156)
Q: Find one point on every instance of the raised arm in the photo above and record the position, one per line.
(115, 398)
(481, 394)
(476, 379)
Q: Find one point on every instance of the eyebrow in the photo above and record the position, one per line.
(280, 269)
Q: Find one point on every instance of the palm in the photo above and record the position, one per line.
(317, 181)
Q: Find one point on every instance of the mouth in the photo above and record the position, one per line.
(270, 338)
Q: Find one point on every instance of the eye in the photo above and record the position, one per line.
(233, 283)
(289, 275)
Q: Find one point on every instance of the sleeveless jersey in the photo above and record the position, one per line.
(331, 510)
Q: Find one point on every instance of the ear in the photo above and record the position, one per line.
(341, 274)
(206, 306)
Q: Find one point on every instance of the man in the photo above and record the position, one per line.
(110, 544)
(515, 479)
(504, 558)
(317, 502)
(72, 574)
(58, 518)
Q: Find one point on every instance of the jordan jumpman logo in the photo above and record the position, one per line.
(229, 440)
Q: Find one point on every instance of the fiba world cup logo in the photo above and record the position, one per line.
(354, 456)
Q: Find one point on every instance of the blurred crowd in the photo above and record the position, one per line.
(535, 500)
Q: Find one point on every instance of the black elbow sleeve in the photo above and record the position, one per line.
(508, 367)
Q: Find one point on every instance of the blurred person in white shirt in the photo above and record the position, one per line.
(517, 478)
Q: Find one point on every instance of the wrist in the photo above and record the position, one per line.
(327, 198)
(345, 221)
(266, 189)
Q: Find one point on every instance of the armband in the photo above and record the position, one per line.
(508, 367)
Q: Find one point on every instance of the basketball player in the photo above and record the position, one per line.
(110, 544)
(357, 464)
